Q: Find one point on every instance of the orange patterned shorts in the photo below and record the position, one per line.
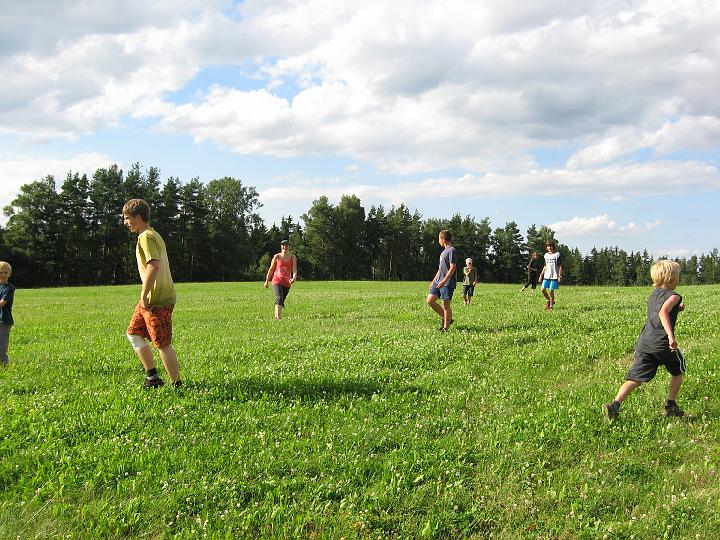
(154, 324)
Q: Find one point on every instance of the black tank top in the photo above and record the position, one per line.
(653, 337)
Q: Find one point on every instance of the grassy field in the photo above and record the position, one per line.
(354, 417)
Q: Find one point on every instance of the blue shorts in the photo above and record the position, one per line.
(468, 290)
(443, 293)
(551, 284)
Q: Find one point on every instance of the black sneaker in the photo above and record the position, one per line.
(153, 383)
(177, 384)
(611, 411)
(673, 411)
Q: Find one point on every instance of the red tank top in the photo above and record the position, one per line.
(283, 272)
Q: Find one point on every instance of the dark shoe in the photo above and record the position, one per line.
(177, 384)
(611, 411)
(673, 411)
(153, 383)
(442, 326)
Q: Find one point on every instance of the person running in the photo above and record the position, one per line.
(657, 344)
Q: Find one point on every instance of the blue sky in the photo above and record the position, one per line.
(599, 119)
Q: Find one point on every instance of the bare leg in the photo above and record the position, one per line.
(625, 389)
(146, 357)
(169, 360)
(447, 313)
(675, 383)
(552, 298)
(432, 302)
(278, 311)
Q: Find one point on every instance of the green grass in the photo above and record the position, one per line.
(354, 417)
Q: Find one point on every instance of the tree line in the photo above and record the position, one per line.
(72, 234)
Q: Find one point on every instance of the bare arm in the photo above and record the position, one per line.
(664, 314)
(271, 270)
(541, 274)
(148, 279)
(3, 302)
(294, 270)
(451, 273)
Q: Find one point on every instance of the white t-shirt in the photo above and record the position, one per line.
(552, 265)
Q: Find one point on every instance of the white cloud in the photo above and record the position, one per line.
(599, 226)
(664, 178)
(17, 171)
(458, 89)
(584, 226)
(675, 253)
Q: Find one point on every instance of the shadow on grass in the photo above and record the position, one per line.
(251, 389)
(294, 389)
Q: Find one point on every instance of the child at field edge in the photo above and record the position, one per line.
(469, 281)
(283, 270)
(656, 344)
(443, 284)
(7, 295)
(551, 274)
(152, 318)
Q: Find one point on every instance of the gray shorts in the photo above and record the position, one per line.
(645, 365)
(281, 293)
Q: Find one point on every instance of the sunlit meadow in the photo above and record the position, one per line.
(354, 417)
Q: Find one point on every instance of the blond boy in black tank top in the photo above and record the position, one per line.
(656, 344)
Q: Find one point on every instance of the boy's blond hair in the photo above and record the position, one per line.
(6, 266)
(137, 207)
(447, 235)
(665, 274)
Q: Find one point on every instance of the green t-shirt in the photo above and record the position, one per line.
(470, 275)
(150, 245)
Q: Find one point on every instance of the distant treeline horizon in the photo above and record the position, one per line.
(72, 234)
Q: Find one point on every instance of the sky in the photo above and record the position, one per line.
(600, 119)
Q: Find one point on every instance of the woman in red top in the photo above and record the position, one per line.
(283, 270)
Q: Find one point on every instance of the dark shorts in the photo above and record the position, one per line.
(468, 290)
(154, 324)
(443, 293)
(645, 365)
(281, 293)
